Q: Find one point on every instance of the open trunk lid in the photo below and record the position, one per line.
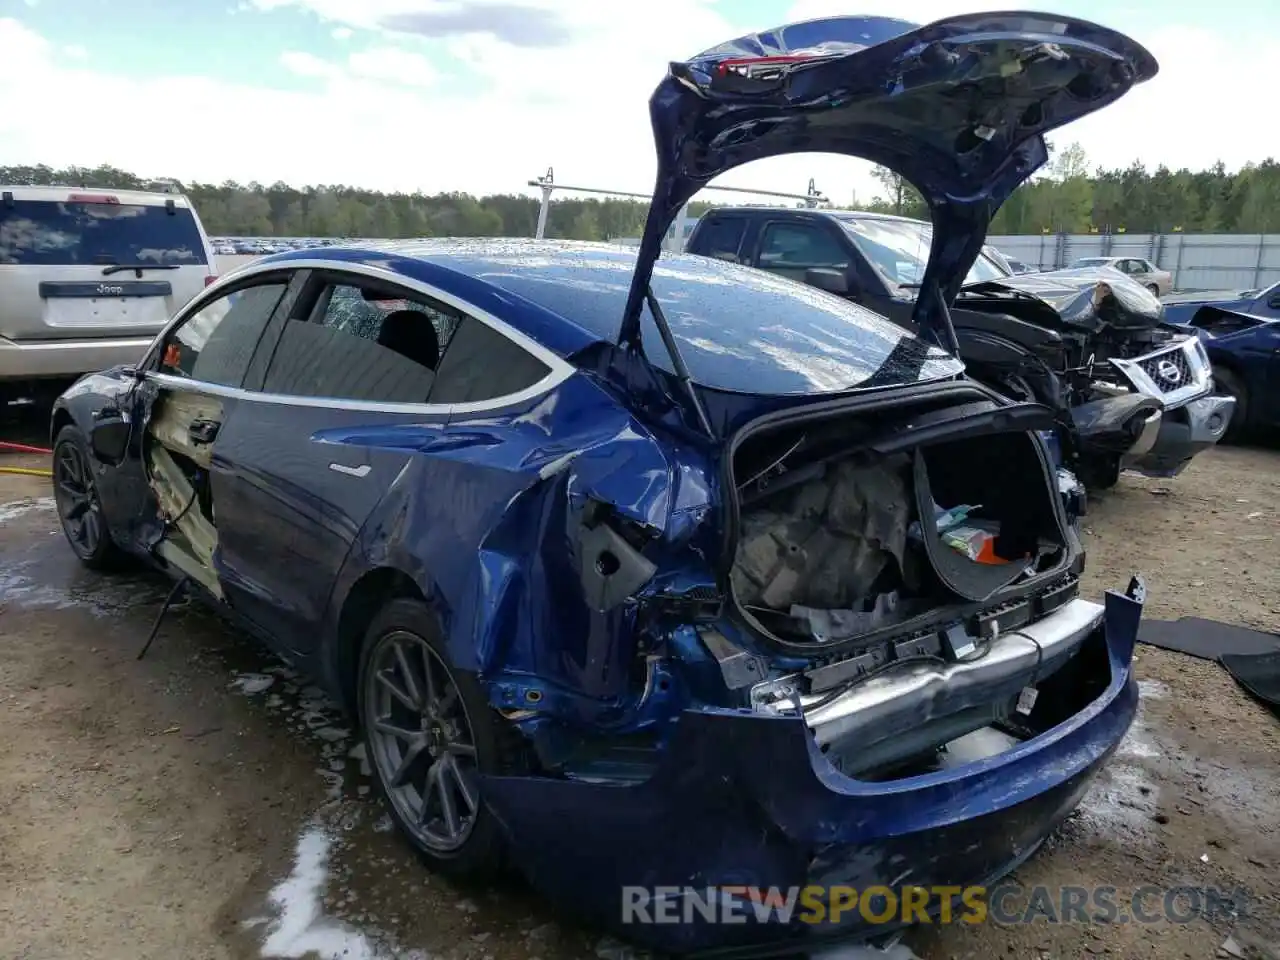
(957, 107)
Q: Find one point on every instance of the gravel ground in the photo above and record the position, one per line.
(206, 803)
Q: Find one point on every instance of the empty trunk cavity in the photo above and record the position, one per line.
(178, 470)
(833, 547)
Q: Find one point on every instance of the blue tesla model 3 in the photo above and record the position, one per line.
(648, 570)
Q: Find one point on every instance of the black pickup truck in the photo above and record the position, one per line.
(1129, 390)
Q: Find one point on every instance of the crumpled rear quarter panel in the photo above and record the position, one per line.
(484, 523)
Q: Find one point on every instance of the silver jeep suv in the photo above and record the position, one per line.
(87, 278)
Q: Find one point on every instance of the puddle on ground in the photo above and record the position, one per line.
(252, 683)
(23, 585)
(1124, 798)
(18, 508)
(300, 927)
(356, 891)
(1152, 690)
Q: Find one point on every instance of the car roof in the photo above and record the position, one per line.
(568, 295)
(63, 194)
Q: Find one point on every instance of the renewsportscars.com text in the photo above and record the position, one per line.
(1006, 904)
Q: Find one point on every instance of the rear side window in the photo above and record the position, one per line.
(482, 364)
(47, 233)
(362, 347)
(214, 344)
(721, 237)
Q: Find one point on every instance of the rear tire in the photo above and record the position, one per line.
(1155, 290)
(75, 491)
(1230, 384)
(430, 734)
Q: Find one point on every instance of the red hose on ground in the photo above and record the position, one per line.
(22, 448)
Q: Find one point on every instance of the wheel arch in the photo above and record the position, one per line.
(370, 592)
(1230, 365)
(62, 417)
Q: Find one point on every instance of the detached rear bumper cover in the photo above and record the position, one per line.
(745, 798)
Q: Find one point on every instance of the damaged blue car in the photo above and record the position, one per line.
(658, 575)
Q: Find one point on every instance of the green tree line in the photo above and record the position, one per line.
(1066, 197)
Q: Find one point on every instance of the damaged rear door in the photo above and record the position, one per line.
(190, 390)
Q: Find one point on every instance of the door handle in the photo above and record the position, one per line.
(203, 431)
(360, 471)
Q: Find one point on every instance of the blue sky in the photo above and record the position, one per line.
(480, 95)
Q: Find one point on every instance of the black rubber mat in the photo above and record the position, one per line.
(1206, 639)
(1259, 673)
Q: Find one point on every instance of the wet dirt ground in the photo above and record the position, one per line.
(205, 802)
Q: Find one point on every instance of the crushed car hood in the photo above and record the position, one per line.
(957, 107)
(1084, 297)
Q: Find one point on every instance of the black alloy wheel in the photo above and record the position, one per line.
(79, 505)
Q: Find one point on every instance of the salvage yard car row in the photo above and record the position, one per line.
(711, 564)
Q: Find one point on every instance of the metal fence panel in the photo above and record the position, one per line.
(1198, 261)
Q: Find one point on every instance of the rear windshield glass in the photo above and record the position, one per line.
(47, 233)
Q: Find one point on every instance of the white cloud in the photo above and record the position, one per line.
(580, 104)
(394, 66)
(382, 64)
(582, 109)
(75, 51)
(308, 64)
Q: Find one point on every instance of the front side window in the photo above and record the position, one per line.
(47, 233)
(215, 344)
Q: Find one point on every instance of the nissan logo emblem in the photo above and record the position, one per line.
(1168, 371)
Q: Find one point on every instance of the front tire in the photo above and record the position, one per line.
(430, 734)
(1098, 472)
(75, 491)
